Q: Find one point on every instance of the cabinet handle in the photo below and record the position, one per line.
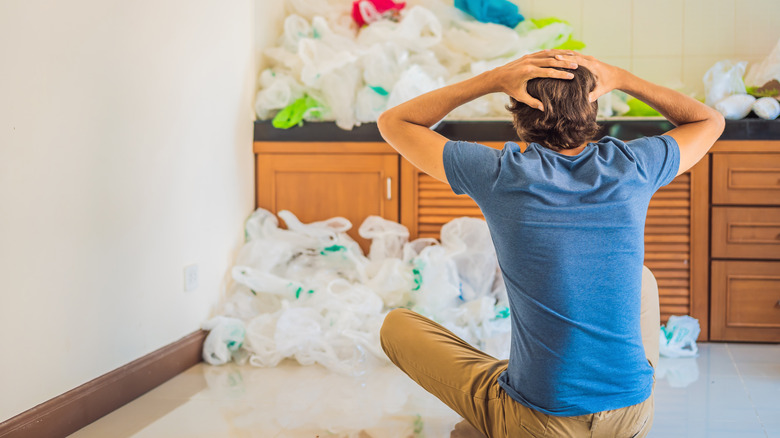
(777, 304)
(389, 188)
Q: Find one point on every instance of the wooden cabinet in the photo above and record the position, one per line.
(320, 181)
(726, 275)
(745, 267)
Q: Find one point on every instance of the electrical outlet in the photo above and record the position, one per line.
(190, 278)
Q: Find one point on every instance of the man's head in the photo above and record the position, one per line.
(568, 119)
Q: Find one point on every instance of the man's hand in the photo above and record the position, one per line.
(608, 77)
(513, 77)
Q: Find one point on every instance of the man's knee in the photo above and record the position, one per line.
(394, 327)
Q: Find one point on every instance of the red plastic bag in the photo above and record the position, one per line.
(368, 11)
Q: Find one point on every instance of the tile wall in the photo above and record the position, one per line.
(670, 42)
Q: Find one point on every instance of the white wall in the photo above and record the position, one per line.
(125, 154)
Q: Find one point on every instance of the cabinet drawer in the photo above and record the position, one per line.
(746, 232)
(740, 179)
(745, 301)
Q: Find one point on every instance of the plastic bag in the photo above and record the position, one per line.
(278, 90)
(736, 106)
(767, 108)
(482, 40)
(549, 33)
(387, 237)
(296, 28)
(369, 104)
(723, 80)
(369, 11)
(418, 29)
(412, 83)
(763, 79)
(226, 336)
(294, 113)
(678, 337)
(469, 244)
(492, 11)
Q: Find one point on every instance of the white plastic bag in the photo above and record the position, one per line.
(417, 30)
(387, 237)
(412, 83)
(277, 90)
(765, 71)
(723, 80)
(678, 337)
(469, 244)
(482, 40)
(226, 336)
(767, 108)
(736, 106)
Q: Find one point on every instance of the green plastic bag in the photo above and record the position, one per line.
(293, 114)
(637, 108)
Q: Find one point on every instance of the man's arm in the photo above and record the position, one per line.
(406, 127)
(697, 125)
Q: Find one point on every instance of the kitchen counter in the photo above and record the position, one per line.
(625, 128)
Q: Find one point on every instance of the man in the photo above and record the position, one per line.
(566, 217)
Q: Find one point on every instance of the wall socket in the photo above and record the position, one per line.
(190, 278)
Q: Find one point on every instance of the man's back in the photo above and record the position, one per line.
(569, 235)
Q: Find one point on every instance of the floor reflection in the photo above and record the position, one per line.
(729, 390)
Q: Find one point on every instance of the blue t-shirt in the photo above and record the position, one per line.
(569, 235)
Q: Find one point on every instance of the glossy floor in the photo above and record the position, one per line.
(730, 390)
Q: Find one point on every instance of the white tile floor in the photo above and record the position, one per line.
(730, 390)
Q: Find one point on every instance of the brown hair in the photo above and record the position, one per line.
(568, 119)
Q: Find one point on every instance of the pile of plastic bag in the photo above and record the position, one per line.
(735, 94)
(309, 293)
(348, 61)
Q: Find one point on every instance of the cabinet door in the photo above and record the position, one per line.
(320, 186)
(677, 212)
(745, 301)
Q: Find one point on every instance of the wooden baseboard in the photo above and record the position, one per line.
(69, 412)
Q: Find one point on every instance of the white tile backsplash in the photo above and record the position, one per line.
(606, 28)
(757, 26)
(657, 27)
(708, 27)
(662, 70)
(668, 41)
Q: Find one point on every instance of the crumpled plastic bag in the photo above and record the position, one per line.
(492, 11)
(412, 83)
(482, 40)
(767, 108)
(723, 80)
(736, 106)
(419, 29)
(309, 293)
(370, 11)
(277, 90)
(763, 78)
(548, 33)
(678, 337)
(226, 336)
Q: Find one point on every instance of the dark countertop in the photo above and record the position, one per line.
(626, 128)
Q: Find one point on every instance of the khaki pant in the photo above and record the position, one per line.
(465, 379)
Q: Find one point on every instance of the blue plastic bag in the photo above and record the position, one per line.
(492, 11)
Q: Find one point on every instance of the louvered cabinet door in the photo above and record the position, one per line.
(674, 216)
(427, 203)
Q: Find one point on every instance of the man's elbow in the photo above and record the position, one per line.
(384, 119)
